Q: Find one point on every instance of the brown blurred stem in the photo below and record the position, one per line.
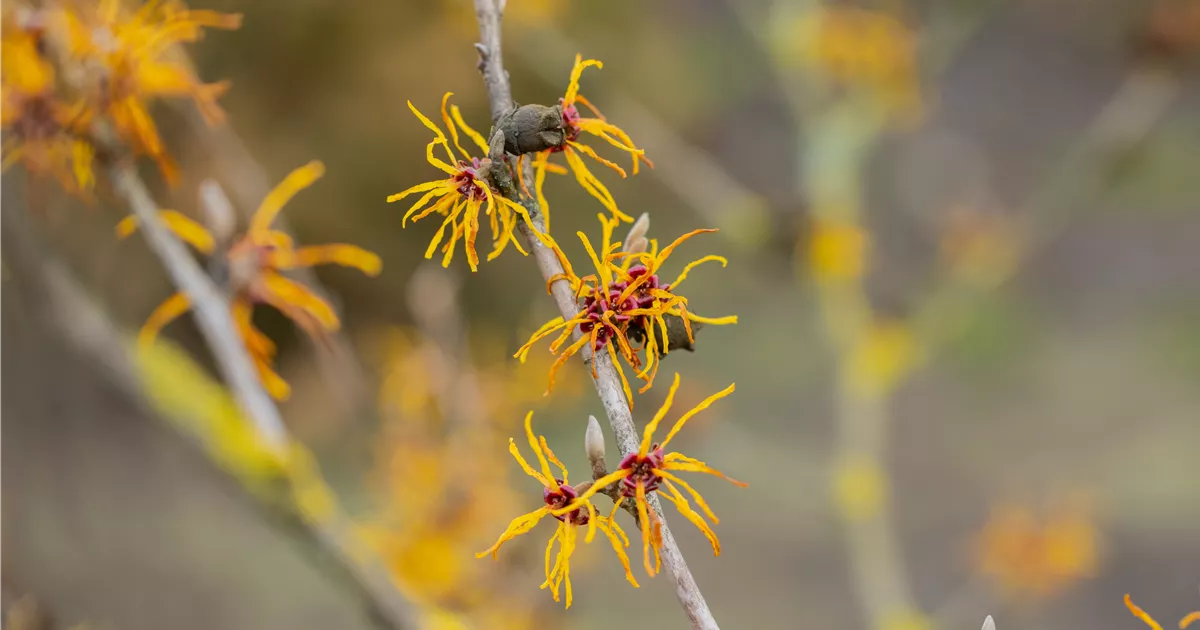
(606, 380)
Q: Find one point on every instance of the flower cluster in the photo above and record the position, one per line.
(42, 130)
(575, 125)
(467, 189)
(1037, 558)
(66, 68)
(624, 303)
(572, 510)
(461, 195)
(639, 474)
(254, 263)
(643, 472)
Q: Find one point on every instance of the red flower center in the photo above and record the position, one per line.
(559, 498)
(465, 179)
(642, 471)
(37, 121)
(597, 305)
(570, 122)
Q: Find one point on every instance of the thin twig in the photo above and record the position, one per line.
(212, 313)
(606, 380)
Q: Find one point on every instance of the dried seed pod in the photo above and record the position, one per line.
(677, 337)
(533, 128)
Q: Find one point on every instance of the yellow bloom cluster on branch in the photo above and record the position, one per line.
(569, 507)
(462, 195)
(68, 66)
(624, 303)
(637, 476)
(574, 125)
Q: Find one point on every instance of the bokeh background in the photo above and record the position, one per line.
(964, 248)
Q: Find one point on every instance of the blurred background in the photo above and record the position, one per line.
(964, 248)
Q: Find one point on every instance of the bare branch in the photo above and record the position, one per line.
(606, 380)
(216, 323)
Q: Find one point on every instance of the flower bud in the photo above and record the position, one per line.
(989, 624)
(218, 212)
(593, 442)
(636, 242)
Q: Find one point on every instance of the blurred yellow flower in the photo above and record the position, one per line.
(1187, 620)
(837, 251)
(574, 125)
(460, 196)
(643, 472)
(884, 353)
(254, 263)
(45, 134)
(126, 60)
(860, 488)
(557, 493)
(981, 248)
(1037, 558)
(434, 516)
(859, 47)
(624, 301)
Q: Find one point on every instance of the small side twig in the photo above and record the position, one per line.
(606, 380)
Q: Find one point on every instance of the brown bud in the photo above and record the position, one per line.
(677, 337)
(533, 128)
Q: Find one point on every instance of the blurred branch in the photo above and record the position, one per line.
(56, 297)
(434, 302)
(332, 531)
(606, 380)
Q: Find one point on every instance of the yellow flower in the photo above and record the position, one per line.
(837, 251)
(461, 196)
(860, 47)
(1037, 559)
(623, 301)
(1187, 620)
(884, 353)
(45, 134)
(254, 263)
(646, 470)
(556, 494)
(128, 61)
(573, 150)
